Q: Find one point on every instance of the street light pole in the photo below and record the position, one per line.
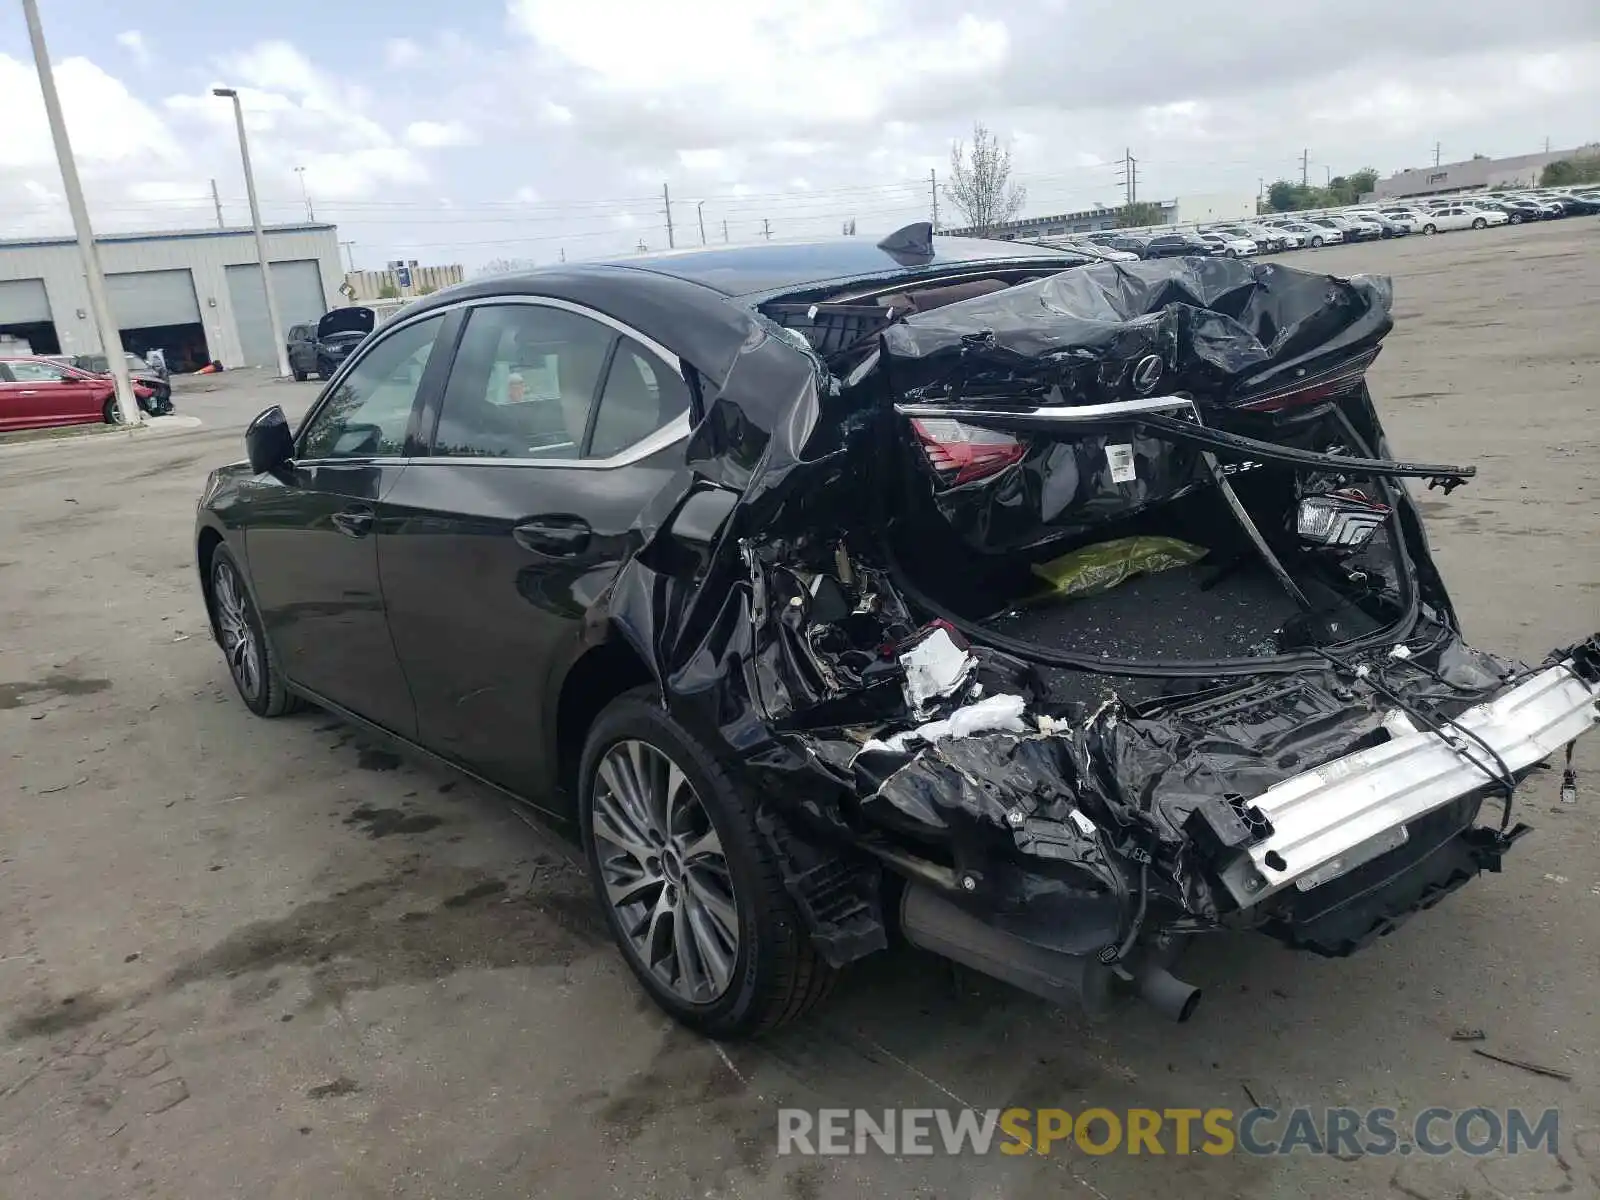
(311, 214)
(110, 336)
(261, 236)
(700, 214)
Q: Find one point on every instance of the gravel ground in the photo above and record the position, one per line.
(248, 958)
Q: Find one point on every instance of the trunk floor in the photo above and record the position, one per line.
(1162, 616)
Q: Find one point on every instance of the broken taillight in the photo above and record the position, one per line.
(960, 453)
(1313, 388)
(1345, 519)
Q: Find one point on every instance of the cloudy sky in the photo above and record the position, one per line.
(528, 128)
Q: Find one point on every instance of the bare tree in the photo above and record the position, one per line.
(980, 184)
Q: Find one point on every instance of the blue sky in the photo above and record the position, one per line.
(527, 128)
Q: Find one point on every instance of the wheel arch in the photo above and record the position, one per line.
(205, 549)
(604, 671)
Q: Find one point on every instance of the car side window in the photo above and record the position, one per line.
(523, 383)
(642, 394)
(367, 413)
(33, 372)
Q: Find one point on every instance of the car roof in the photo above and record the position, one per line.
(769, 268)
(699, 302)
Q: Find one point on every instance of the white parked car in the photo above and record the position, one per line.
(1231, 245)
(1460, 216)
(1314, 235)
(1411, 218)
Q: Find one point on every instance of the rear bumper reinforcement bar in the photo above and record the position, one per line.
(1332, 819)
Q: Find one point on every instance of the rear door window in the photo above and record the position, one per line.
(523, 384)
(642, 394)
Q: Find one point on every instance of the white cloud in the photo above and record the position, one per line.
(526, 195)
(433, 134)
(132, 41)
(401, 52)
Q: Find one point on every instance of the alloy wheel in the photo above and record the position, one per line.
(240, 645)
(664, 871)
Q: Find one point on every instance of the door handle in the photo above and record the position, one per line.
(556, 537)
(353, 522)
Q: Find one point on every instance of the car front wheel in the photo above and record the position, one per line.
(1316, 243)
(1479, 223)
(690, 890)
(1430, 229)
(244, 644)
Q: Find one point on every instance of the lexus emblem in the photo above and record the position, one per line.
(1146, 374)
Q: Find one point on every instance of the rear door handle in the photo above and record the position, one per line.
(555, 536)
(353, 522)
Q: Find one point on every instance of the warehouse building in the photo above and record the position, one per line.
(1522, 170)
(195, 294)
(1183, 210)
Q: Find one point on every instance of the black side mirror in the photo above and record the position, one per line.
(268, 442)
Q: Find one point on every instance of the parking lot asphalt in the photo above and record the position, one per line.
(270, 959)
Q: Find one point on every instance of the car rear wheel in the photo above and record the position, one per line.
(1430, 228)
(111, 412)
(690, 891)
(249, 655)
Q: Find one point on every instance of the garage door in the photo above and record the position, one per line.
(298, 285)
(140, 299)
(23, 302)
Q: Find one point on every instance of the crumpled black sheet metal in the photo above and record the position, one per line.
(783, 432)
(1215, 323)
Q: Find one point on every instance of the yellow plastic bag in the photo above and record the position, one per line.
(1094, 569)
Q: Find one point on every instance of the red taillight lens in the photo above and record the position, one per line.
(1313, 388)
(961, 453)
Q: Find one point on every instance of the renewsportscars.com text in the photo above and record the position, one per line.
(1216, 1131)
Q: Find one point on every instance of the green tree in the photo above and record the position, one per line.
(388, 292)
(1138, 214)
(1567, 171)
(1281, 196)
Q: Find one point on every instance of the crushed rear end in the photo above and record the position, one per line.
(1090, 612)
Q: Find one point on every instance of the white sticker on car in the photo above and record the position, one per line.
(1120, 459)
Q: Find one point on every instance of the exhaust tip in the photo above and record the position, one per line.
(1164, 991)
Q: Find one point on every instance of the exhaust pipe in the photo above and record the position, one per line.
(939, 926)
(933, 923)
(1164, 991)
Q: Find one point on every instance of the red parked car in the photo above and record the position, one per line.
(36, 393)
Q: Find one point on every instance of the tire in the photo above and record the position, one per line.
(250, 658)
(1430, 229)
(110, 413)
(299, 375)
(710, 860)
(1479, 223)
(1515, 218)
(1231, 252)
(1316, 243)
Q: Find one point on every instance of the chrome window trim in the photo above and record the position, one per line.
(674, 431)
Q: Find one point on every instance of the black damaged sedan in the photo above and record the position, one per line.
(1043, 614)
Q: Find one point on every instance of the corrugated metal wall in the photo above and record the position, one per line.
(369, 285)
(204, 255)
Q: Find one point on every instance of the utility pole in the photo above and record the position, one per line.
(1328, 179)
(216, 200)
(563, 254)
(666, 201)
(766, 229)
(350, 256)
(724, 228)
(1130, 176)
(261, 235)
(1305, 167)
(310, 212)
(933, 192)
(110, 335)
(700, 215)
(1436, 148)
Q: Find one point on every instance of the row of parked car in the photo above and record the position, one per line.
(1358, 223)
